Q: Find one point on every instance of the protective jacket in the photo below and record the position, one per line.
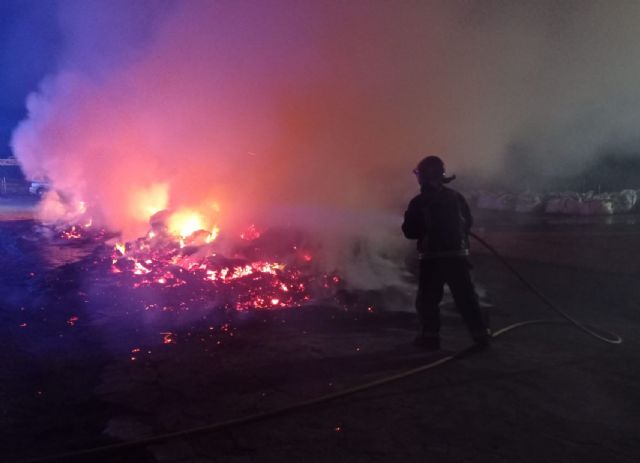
(440, 220)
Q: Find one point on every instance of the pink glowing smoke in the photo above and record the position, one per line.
(265, 107)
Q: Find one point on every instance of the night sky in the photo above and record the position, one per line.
(30, 41)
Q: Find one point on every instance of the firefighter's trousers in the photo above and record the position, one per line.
(456, 273)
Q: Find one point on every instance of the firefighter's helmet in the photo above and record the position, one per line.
(432, 168)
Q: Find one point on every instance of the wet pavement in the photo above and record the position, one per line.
(81, 368)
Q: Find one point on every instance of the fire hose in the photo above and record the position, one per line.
(607, 337)
(612, 339)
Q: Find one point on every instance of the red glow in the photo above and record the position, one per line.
(168, 337)
(73, 233)
(160, 260)
(250, 233)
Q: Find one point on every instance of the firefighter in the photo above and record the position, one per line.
(440, 219)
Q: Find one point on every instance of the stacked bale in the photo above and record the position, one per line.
(625, 201)
(529, 203)
(561, 203)
(496, 201)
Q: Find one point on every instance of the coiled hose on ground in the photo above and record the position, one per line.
(610, 338)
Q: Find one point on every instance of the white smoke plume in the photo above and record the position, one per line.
(247, 109)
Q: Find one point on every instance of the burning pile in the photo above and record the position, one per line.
(182, 262)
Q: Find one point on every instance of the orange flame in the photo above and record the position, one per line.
(145, 202)
(215, 231)
(120, 247)
(186, 222)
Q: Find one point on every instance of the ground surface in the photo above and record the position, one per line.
(72, 378)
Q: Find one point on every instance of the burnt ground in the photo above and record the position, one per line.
(72, 376)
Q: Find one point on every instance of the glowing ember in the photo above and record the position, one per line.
(250, 233)
(140, 269)
(239, 284)
(180, 260)
(81, 232)
(72, 234)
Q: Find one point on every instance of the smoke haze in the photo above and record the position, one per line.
(262, 107)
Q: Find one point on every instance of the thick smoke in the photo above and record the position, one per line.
(290, 111)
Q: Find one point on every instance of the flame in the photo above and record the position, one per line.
(156, 261)
(186, 222)
(121, 248)
(148, 201)
(215, 231)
